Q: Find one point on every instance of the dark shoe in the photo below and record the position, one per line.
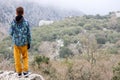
(26, 74)
(19, 75)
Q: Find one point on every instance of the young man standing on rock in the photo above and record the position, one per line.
(21, 37)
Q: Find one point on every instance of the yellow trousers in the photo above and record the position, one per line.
(21, 58)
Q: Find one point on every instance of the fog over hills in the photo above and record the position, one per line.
(34, 12)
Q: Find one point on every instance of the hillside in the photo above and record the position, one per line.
(76, 48)
(72, 31)
(34, 12)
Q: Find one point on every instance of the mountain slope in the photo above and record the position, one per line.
(33, 12)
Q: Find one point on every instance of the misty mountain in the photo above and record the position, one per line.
(34, 12)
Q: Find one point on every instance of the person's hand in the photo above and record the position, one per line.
(28, 46)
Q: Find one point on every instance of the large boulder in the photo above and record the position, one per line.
(11, 75)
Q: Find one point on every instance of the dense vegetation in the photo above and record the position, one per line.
(79, 48)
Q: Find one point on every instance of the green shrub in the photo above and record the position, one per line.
(113, 50)
(101, 40)
(113, 37)
(81, 24)
(66, 42)
(88, 26)
(65, 52)
(116, 72)
(41, 59)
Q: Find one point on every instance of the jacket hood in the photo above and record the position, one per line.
(19, 19)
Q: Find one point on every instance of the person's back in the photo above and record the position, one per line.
(21, 38)
(21, 33)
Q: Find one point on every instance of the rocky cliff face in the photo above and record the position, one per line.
(11, 75)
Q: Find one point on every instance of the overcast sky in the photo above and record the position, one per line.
(86, 6)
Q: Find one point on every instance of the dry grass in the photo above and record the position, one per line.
(77, 68)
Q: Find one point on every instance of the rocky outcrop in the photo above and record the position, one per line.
(11, 75)
(45, 22)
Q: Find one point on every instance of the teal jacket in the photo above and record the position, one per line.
(20, 32)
